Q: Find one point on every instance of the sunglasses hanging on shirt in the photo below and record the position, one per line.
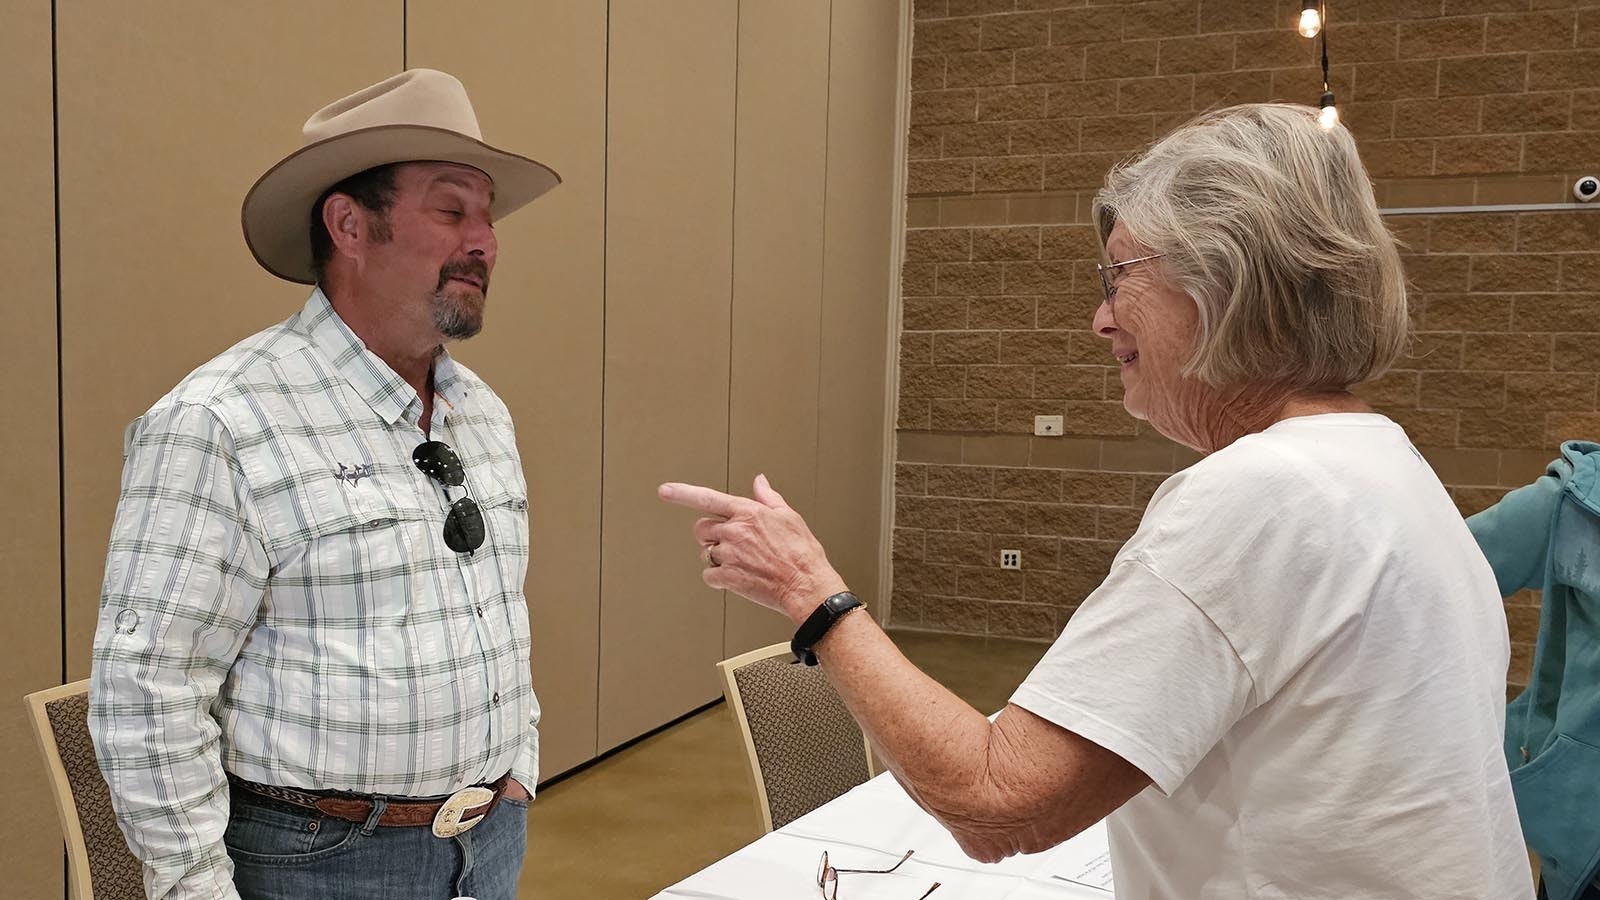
(463, 525)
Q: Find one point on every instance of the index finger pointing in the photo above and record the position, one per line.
(702, 498)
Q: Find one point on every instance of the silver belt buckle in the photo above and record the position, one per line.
(447, 823)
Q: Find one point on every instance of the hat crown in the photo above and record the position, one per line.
(419, 114)
(424, 97)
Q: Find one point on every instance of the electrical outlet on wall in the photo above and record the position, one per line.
(1010, 559)
(1048, 426)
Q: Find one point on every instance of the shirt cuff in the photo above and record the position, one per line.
(526, 769)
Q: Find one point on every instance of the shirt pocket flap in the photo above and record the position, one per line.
(312, 509)
(506, 500)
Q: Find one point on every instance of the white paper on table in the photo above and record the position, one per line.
(870, 826)
(1085, 860)
(893, 823)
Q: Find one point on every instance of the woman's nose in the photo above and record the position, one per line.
(1105, 324)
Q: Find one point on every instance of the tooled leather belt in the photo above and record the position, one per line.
(449, 816)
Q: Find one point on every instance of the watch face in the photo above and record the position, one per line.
(838, 603)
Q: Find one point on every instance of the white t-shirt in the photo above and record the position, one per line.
(1304, 649)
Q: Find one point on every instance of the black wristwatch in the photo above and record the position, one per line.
(817, 624)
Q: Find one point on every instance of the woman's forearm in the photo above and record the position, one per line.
(1019, 785)
(936, 745)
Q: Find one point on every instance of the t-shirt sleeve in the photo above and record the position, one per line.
(1143, 672)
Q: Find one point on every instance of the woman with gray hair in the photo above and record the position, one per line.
(1292, 681)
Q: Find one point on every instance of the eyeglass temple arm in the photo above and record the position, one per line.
(897, 865)
(1127, 262)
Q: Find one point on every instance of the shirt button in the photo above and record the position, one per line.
(480, 612)
(497, 697)
(127, 621)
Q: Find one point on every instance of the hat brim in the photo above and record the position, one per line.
(276, 214)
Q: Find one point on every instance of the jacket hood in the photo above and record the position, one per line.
(1578, 467)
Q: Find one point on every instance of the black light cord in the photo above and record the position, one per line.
(1325, 87)
(1329, 117)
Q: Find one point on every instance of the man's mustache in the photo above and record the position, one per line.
(470, 268)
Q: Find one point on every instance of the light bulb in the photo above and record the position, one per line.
(1310, 19)
(1329, 116)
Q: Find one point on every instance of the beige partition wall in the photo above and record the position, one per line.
(861, 231)
(168, 112)
(669, 250)
(536, 72)
(798, 102)
(780, 156)
(706, 297)
(30, 534)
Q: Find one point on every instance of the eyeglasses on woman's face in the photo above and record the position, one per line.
(1109, 277)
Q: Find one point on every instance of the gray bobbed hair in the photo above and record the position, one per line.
(1268, 221)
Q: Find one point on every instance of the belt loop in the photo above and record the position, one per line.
(379, 804)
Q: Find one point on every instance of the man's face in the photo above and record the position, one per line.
(441, 247)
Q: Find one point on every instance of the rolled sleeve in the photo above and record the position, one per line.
(185, 575)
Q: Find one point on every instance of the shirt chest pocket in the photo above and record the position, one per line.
(342, 550)
(505, 512)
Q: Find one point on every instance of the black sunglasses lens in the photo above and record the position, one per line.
(439, 462)
(463, 527)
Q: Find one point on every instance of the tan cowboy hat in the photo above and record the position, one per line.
(420, 114)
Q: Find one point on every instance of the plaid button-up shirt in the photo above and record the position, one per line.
(279, 602)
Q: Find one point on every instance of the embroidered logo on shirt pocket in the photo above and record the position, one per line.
(353, 473)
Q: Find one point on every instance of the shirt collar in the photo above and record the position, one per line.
(448, 381)
(380, 386)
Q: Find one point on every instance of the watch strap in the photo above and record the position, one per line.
(817, 624)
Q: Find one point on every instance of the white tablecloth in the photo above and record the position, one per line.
(870, 827)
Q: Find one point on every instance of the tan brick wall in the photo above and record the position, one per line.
(1019, 107)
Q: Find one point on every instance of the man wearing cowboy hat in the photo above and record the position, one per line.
(311, 667)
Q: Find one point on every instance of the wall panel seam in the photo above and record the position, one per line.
(61, 444)
(822, 253)
(61, 438)
(733, 297)
(891, 387)
(605, 306)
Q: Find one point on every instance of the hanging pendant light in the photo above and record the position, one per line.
(1310, 18)
(1329, 116)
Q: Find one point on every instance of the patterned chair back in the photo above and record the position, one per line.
(101, 866)
(804, 748)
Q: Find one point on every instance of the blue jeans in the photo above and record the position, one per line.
(279, 854)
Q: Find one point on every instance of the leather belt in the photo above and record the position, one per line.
(449, 816)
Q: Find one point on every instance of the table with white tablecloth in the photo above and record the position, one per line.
(870, 827)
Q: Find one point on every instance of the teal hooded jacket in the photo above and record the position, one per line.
(1547, 535)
